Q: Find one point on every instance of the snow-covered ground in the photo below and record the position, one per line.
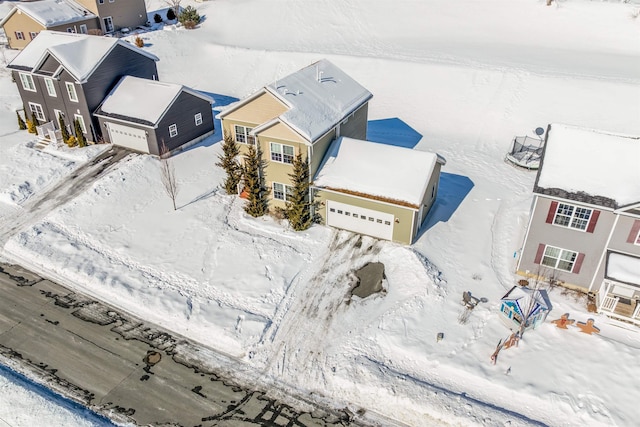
(459, 78)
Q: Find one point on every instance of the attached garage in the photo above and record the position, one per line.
(376, 189)
(360, 220)
(128, 137)
(145, 115)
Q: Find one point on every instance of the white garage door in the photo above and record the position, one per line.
(128, 137)
(360, 220)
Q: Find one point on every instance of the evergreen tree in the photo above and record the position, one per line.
(63, 128)
(82, 142)
(21, 124)
(299, 201)
(228, 161)
(257, 204)
(32, 124)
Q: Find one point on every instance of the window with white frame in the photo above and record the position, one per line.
(282, 191)
(71, 30)
(27, 82)
(51, 88)
(572, 216)
(198, 119)
(80, 120)
(560, 259)
(173, 130)
(282, 153)
(19, 35)
(71, 91)
(243, 135)
(37, 111)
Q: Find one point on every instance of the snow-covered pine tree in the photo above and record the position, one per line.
(257, 204)
(82, 142)
(299, 210)
(228, 161)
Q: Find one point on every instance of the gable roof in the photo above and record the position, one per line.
(51, 13)
(79, 54)
(142, 100)
(318, 97)
(527, 298)
(590, 166)
(396, 174)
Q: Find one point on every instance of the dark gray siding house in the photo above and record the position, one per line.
(70, 74)
(143, 115)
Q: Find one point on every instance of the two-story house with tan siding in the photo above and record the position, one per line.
(69, 75)
(300, 113)
(321, 113)
(27, 19)
(584, 229)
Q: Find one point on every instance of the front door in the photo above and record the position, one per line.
(108, 24)
(83, 29)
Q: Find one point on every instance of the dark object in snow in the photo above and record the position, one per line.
(440, 336)
(369, 279)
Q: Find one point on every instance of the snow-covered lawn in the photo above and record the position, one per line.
(466, 76)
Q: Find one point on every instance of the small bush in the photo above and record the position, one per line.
(171, 15)
(32, 124)
(189, 17)
(82, 142)
(139, 42)
(157, 18)
(72, 141)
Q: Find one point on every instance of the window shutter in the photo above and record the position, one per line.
(592, 221)
(552, 212)
(634, 231)
(540, 252)
(578, 264)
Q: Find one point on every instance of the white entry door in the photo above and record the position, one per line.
(125, 136)
(360, 220)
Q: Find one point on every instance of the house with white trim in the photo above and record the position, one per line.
(584, 228)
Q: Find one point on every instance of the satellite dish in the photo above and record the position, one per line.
(539, 131)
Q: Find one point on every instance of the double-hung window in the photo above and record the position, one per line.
(51, 88)
(572, 216)
(173, 130)
(71, 91)
(282, 153)
(27, 82)
(243, 135)
(37, 111)
(560, 259)
(282, 191)
(198, 119)
(33, 35)
(19, 35)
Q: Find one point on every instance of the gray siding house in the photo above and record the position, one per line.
(144, 115)
(70, 74)
(584, 229)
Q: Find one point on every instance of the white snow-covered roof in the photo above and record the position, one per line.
(318, 98)
(79, 54)
(50, 13)
(594, 162)
(380, 170)
(144, 99)
(524, 296)
(623, 268)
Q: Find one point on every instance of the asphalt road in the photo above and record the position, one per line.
(124, 368)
